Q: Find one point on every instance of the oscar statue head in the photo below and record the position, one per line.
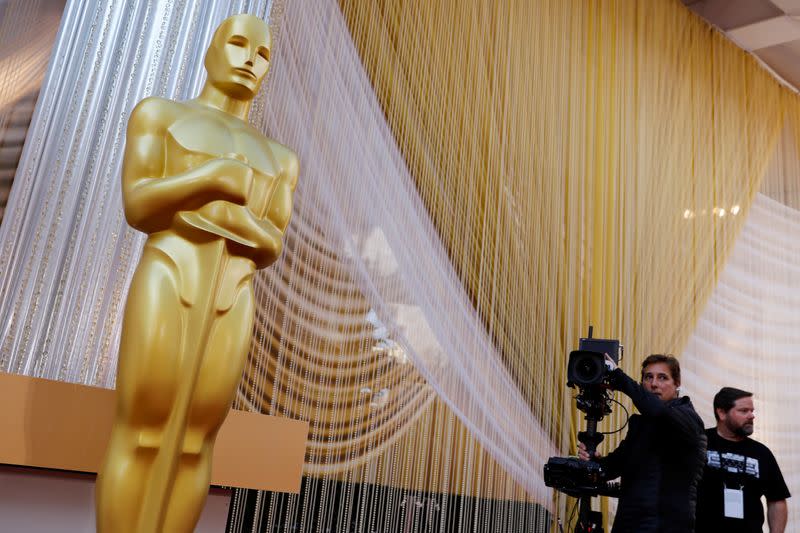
(239, 56)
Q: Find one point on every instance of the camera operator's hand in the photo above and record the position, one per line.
(614, 375)
(583, 455)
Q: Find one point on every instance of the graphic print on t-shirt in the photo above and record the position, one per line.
(734, 463)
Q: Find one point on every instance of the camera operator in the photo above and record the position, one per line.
(661, 459)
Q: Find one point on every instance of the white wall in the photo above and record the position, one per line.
(44, 501)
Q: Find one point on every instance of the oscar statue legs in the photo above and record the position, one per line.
(178, 371)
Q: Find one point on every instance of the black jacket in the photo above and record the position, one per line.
(660, 461)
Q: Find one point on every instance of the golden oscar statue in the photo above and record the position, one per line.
(215, 196)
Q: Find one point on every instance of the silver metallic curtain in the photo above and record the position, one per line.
(66, 253)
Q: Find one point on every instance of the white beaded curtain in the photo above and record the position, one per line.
(355, 186)
(66, 253)
(748, 336)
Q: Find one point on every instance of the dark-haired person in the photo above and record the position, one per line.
(739, 472)
(661, 459)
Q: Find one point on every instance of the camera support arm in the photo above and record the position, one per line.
(590, 438)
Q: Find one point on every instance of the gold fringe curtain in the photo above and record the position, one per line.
(585, 162)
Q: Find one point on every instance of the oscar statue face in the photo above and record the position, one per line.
(239, 56)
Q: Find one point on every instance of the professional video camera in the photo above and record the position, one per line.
(587, 370)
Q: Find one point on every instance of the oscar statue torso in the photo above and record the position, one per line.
(224, 138)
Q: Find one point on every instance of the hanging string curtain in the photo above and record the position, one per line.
(358, 189)
(582, 163)
(479, 183)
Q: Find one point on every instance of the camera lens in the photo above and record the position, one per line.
(586, 368)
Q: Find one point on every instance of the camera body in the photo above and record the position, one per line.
(578, 478)
(587, 364)
(587, 370)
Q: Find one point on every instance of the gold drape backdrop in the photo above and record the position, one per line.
(584, 163)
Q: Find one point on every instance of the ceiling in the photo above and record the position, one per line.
(769, 29)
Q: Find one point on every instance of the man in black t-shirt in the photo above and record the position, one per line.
(738, 473)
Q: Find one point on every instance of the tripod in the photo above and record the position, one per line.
(588, 521)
